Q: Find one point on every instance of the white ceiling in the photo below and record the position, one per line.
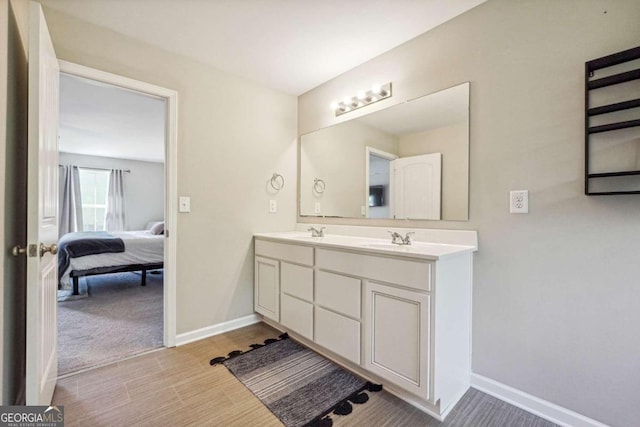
(288, 45)
(98, 119)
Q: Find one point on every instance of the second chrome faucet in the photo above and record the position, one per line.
(397, 239)
(315, 232)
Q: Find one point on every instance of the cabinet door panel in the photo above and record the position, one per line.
(297, 281)
(267, 288)
(398, 336)
(339, 334)
(297, 315)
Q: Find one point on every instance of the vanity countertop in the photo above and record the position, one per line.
(421, 250)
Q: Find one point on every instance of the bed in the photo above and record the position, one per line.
(93, 253)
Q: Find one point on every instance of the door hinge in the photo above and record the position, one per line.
(33, 251)
(166, 233)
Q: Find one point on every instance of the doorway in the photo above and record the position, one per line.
(134, 295)
(378, 186)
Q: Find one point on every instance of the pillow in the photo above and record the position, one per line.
(158, 228)
(151, 224)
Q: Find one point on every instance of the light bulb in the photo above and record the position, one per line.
(334, 105)
(376, 88)
(346, 100)
(361, 95)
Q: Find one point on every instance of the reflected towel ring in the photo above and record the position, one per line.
(277, 182)
(319, 185)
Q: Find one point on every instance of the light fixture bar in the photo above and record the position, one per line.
(362, 99)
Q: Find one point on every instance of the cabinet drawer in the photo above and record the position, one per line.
(292, 253)
(297, 281)
(297, 315)
(414, 274)
(339, 293)
(339, 334)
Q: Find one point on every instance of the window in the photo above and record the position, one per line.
(93, 190)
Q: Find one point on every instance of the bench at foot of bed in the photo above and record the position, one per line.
(77, 274)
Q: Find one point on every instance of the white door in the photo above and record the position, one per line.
(42, 213)
(417, 186)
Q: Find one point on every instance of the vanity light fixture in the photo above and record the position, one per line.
(362, 99)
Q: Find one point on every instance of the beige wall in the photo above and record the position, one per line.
(556, 292)
(233, 135)
(453, 142)
(338, 156)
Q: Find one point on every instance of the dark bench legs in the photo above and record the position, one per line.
(76, 279)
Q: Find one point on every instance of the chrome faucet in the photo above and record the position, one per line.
(397, 239)
(315, 232)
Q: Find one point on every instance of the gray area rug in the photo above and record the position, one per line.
(119, 319)
(299, 386)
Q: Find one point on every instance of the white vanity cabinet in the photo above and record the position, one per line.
(397, 316)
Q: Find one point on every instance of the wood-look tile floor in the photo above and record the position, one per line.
(178, 387)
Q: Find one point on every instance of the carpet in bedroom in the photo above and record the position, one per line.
(119, 319)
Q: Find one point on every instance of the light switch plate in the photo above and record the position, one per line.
(185, 204)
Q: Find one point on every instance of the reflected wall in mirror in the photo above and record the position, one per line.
(409, 161)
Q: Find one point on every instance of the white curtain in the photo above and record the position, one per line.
(70, 203)
(115, 202)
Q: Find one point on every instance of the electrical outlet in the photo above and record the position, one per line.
(273, 206)
(317, 208)
(519, 201)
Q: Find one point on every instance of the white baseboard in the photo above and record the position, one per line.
(220, 328)
(542, 408)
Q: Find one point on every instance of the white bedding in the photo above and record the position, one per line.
(140, 247)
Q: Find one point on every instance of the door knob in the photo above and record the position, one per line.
(18, 250)
(53, 248)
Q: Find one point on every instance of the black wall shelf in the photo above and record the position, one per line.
(603, 83)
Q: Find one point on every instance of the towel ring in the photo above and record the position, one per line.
(319, 185)
(277, 182)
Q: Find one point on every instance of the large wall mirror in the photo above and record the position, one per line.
(409, 161)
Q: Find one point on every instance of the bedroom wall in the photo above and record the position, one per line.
(144, 185)
(556, 292)
(233, 134)
(13, 133)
